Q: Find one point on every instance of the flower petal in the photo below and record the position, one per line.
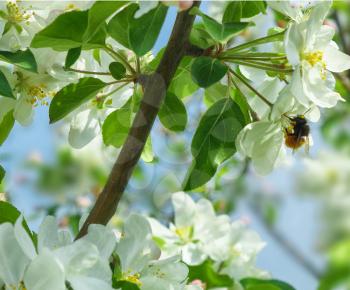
(24, 239)
(45, 272)
(49, 236)
(88, 283)
(185, 209)
(13, 261)
(336, 61)
(294, 42)
(103, 238)
(83, 128)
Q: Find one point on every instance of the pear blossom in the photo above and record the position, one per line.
(197, 232)
(139, 262)
(245, 244)
(31, 89)
(313, 54)
(57, 259)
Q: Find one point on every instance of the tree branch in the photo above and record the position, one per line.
(155, 89)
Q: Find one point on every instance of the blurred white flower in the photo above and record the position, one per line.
(83, 263)
(197, 232)
(139, 259)
(245, 245)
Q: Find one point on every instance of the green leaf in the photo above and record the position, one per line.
(172, 113)
(259, 284)
(182, 84)
(214, 93)
(98, 14)
(5, 88)
(144, 30)
(200, 37)
(214, 141)
(138, 34)
(10, 214)
(72, 56)
(233, 12)
(147, 153)
(207, 275)
(6, 126)
(116, 127)
(2, 173)
(119, 26)
(126, 285)
(241, 101)
(67, 32)
(117, 70)
(207, 71)
(220, 32)
(236, 10)
(22, 58)
(72, 96)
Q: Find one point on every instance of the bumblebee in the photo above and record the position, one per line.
(297, 134)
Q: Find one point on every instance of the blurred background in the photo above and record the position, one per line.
(301, 210)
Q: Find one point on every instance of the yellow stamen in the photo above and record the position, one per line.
(133, 278)
(314, 57)
(16, 14)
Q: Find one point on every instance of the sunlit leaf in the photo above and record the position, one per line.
(116, 126)
(72, 56)
(72, 96)
(260, 284)
(221, 32)
(6, 126)
(209, 276)
(172, 113)
(214, 141)
(22, 58)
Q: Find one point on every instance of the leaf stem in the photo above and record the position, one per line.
(265, 100)
(266, 39)
(113, 91)
(88, 72)
(254, 115)
(120, 58)
(262, 65)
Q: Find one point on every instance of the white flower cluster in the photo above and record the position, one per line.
(313, 57)
(199, 234)
(145, 253)
(19, 22)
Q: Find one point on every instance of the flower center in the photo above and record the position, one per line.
(70, 7)
(37, 95)
(15, 13)
(314, 57)
(133, 278)
(185, 233)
